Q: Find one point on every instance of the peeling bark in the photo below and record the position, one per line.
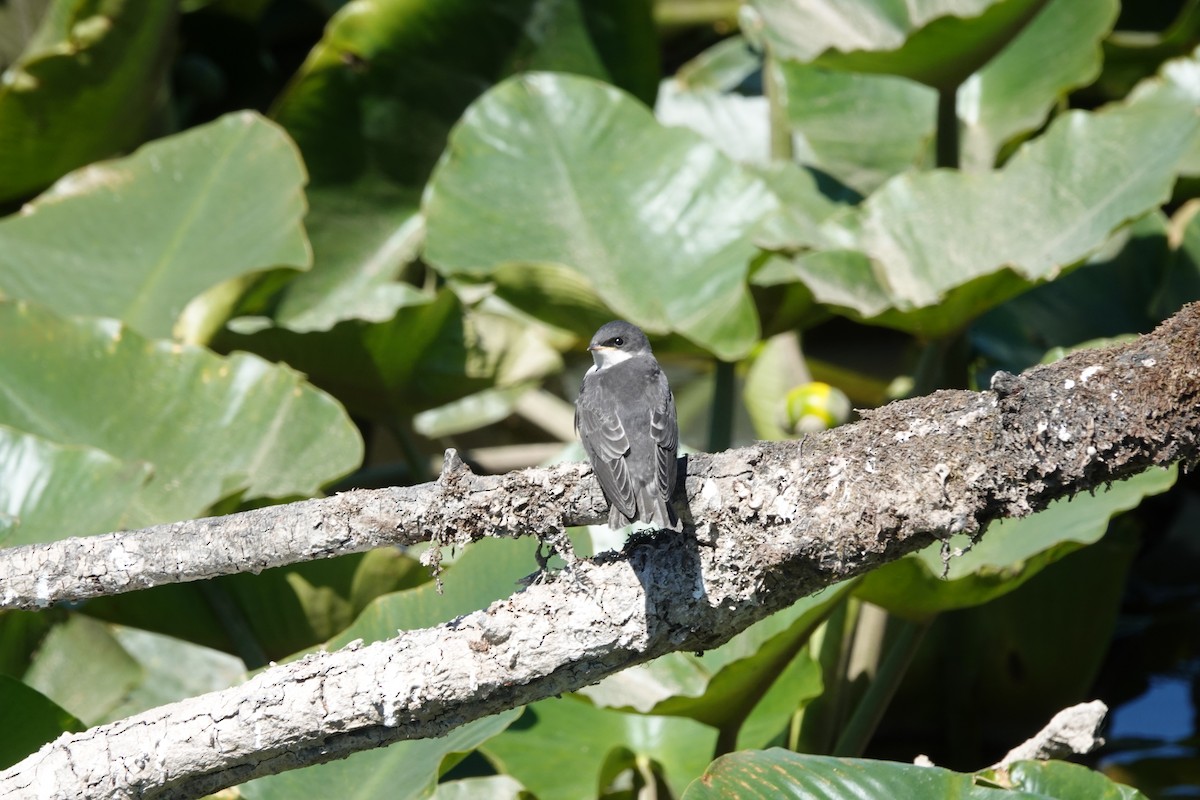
(768, 524)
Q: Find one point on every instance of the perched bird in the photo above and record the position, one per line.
(625, 416)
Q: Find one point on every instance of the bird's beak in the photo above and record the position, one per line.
(594, 347)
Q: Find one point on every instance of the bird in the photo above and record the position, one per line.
(625, 417)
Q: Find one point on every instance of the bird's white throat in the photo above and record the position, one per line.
(608, 357)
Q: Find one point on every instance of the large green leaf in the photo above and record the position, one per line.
(486, 571)
(862, 129)
(1057, 52)
(83, 89)
(400, 771)
(29, 720)
(105, 672)
(936, 42)
(210, 426)
(390, 77)
(929, 251)
(554, 168)
(137, 238)
(720, 687)
(1010, 552)
(432, 352)
(48, 490)
(363, 236)
(773, 773)
(564, 748)
(1060, 779)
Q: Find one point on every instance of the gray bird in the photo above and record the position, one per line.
(625, 416)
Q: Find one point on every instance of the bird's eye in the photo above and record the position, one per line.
(618, 341)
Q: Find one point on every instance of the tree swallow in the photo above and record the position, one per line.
(625, 416)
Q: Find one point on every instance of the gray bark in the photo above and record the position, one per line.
(767, 525)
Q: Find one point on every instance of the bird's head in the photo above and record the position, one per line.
(617, 341)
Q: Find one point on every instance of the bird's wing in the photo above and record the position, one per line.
(665, 429)
(604, 438)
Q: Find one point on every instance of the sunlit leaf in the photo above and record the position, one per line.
(137, 238)
(927, 252)
(1009, 553)
(1058, 51)
(936, 42)
(400, 771)
(553, 168)
(753, 774)
(48, 490)
(566, 748)
(210, 426)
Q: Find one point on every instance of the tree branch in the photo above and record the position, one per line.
(771, 523)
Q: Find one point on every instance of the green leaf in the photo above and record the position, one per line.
(862, 129)
(469, 413)
(431, 353)
(493, 787)
(1010, 552)
(553, 168)
(927, 252)
(137, 238)
(1110, 295)
(486, 571)
(390, 77)
(721, 686)
(29, 720)
(106, 672)
(84, 88)
(82, 668)
(171, 670)
(363, 236)
(936, 42)
(1060, 779)
(210, 426)
(751, 774)
(407, 769)
(48, 490)
(564, 748)
(1058, 51)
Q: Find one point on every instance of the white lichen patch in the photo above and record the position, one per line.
(1148, 362)
(1088, 373)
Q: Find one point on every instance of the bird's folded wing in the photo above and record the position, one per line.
(604, 438)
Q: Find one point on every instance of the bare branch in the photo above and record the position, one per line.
(772, 523)
(1073, 730)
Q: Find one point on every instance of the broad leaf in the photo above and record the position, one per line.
(486, 571)
(432, 352)
(552, 168)
(210, 426)
(752, 774)
(564, 748)
(49, 490)
(928, 252)
(137, 238)
(401, 771)
(84, 88)
(722, 686)
(1061, 779)
(29, 720)
(862, 129)
(936, 42)
(1010, 552)
(1057, 52)
(363, 237)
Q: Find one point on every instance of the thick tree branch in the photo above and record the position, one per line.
(773, 523)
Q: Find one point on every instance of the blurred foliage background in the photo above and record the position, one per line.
(256, 251)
